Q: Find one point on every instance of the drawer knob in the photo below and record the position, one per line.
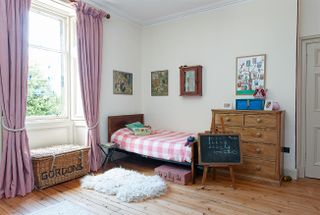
(258, 150)
(228, 119)
(259, 134)
(258, 168)
(259, 120)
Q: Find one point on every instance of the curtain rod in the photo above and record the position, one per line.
(107, 15)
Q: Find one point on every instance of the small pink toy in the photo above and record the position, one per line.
(275, 106)
(260, 93)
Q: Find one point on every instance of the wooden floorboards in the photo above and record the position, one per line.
(218, 197)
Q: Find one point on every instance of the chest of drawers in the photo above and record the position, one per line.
(261, 134)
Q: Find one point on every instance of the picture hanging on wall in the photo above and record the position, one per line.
(122, 83)
(250, 74)
(190, 80)
(159, 83)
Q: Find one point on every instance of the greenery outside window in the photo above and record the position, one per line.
(48, 65)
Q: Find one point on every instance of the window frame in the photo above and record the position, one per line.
(75, 80)
(65, 16)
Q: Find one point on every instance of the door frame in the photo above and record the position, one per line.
(301, 103)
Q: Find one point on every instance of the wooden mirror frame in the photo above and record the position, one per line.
(198, 80)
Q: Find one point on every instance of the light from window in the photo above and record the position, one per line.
(46, 91)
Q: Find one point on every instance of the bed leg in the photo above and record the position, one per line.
(193, 172)
(193, 162)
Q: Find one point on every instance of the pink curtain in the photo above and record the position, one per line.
(90, 39)
(16, 175)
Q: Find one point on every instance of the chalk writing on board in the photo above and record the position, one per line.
(220, 148)
(221, 145)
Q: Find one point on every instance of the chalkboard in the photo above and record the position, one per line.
(220, 149)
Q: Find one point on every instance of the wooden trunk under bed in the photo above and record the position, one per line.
(117, 122)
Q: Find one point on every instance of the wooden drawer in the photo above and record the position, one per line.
(265, 151)
(256, 167)
(260, 121)
(229, 129)
(259, 135)
(229, 119)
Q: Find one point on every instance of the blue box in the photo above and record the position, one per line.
(250, 104)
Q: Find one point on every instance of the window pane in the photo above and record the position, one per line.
(45, 31)
(45, 83)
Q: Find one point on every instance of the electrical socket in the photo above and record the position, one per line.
(285, 149)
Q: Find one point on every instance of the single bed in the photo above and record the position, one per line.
(162, 145)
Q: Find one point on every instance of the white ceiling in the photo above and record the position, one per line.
(148, 12)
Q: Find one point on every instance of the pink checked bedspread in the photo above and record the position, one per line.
(168, 145)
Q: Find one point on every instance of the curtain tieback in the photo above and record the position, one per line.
(12, 129)
(93, 127)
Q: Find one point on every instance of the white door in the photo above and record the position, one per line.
(313, 111)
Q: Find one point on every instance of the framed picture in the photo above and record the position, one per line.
(191, 81)
(122, 83)
(268, 105)
(250, 74)
(227, 106)
(159, 83)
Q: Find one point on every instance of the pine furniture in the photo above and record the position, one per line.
(261, 141)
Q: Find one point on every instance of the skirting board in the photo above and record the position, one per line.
(293, 173)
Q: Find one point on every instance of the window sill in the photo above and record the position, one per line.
(48, 120)
(53, 122)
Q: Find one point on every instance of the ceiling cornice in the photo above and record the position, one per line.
(113, 11)
(214, 6)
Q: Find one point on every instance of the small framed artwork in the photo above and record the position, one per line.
(122, 83)
(190, 80)
(250, 74)
(227, 106)
(268, 105)
(159, 83)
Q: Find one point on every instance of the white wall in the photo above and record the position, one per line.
(214, 39)
(122, 44)
(309, 17)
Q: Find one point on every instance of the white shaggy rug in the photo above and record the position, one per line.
(126, 185)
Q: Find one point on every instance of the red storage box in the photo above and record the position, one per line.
(174, 174)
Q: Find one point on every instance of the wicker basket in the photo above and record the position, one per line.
(58, 164)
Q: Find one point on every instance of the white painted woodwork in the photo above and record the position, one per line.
(79, 132)
(313, 111)
(309, 19)
(50, 133)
